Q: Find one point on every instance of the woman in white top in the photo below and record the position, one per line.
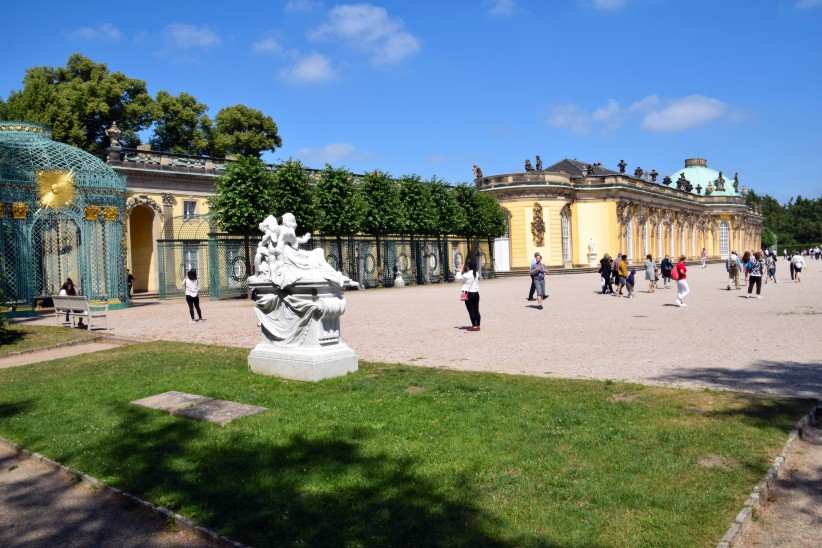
(798, 262)
(193, 294)
(470, 288)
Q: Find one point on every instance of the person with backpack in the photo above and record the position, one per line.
(680, 274)
(666, 266)
(755, 268)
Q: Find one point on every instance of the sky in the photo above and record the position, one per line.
(431, 87)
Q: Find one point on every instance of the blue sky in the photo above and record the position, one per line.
(431, 87)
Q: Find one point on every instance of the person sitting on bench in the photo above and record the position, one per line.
(69, 290)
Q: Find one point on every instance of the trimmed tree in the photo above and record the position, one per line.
(450, 216)
(181, 124)
(292, 192)
(243, 198)
(484, 218)
(339, 206)
(383, 209)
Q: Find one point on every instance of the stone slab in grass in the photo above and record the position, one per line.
(197, 407)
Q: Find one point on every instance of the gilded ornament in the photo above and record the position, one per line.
(110, 213)
(56, 188)
(92, 213)
(19, 210)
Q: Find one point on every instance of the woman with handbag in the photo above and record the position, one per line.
(470, 292)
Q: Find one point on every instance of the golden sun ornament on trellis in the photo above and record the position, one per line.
(56, 188)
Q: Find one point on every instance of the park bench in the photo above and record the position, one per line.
(80, 307)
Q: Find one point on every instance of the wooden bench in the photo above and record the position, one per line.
(79, 307)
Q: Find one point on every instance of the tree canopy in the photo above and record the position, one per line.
(419, 215)
(483, 216)
(243, 196)
(243, 131)
(340, 207)
(80, 101)
(180, 124)
(797, 222)
(292, 192)
(384, 209)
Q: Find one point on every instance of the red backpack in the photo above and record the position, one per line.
(675, 272)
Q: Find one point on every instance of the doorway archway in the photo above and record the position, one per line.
(141, 240)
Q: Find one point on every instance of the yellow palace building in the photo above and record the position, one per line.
(572, 213)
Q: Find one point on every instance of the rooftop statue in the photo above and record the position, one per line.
(653, 175)
(539, 163)
(736, 182)
(590, 169)
(710, 189)
(667, 181)
(699, 189)
(720, 183)
(113, 133)
(622, 165)
(528, 166)
(682, 182)
(477, 173)
(638, 173)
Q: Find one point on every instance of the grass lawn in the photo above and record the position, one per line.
(25, 338)
(404, 456)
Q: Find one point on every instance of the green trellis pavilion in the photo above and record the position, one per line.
(61, 216)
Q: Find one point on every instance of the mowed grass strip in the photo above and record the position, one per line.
(404, 456)
(27, 338)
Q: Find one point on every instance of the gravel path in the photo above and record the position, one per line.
(792, 516)
(721, 340)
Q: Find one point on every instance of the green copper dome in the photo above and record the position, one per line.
(697, 172)
(27, 148)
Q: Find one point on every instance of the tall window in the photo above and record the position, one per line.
(191, 256)
(671, 240)
(682, 241)
(694, 250)
(629, 229)
(566, 236)
(189, 209)
(724, 234)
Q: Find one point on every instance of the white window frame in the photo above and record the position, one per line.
(724, 240)
(193, 212)
(565, 219)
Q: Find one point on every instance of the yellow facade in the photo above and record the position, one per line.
(598, 211)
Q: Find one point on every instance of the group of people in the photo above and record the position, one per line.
(620, 273)
(814, 253)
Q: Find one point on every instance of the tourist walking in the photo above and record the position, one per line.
(629, 283)
(622, 274)
(680, 274)
(797, 264)
(650, 273)
(538, 277)
(770, 264)
(605, 273)
(533, 286)
(732, 266)
(746, 258)
(470, 292)
(755, 267)
(192, 287)
(704, 257)
(789, 258)
(666, 267)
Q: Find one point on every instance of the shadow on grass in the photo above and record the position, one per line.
(9, 409)
(301, 491)
(9, 336)
(795, 379)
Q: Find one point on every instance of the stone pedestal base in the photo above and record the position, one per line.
(592, 259)
(304, 364)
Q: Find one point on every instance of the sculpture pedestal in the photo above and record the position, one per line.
(303, 364)
(592, 259)
(301, 334)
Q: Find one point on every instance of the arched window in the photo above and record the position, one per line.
(629, 229)
(724, 245)
(565, 218)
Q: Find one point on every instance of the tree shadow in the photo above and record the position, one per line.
(793, 379)
(10, 335)
(323, 490)
(9, 409)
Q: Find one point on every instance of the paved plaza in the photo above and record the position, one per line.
(721, 340)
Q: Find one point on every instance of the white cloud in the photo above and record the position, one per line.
(184, 36)
(608, 5)
(804, 4)
(652, 113)
(329, 154)
(570, 117)
(685, 113)
(502, 7)
(267, 45)
(103, 31)
(310, 69)
(302, 5)
(369, 29)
